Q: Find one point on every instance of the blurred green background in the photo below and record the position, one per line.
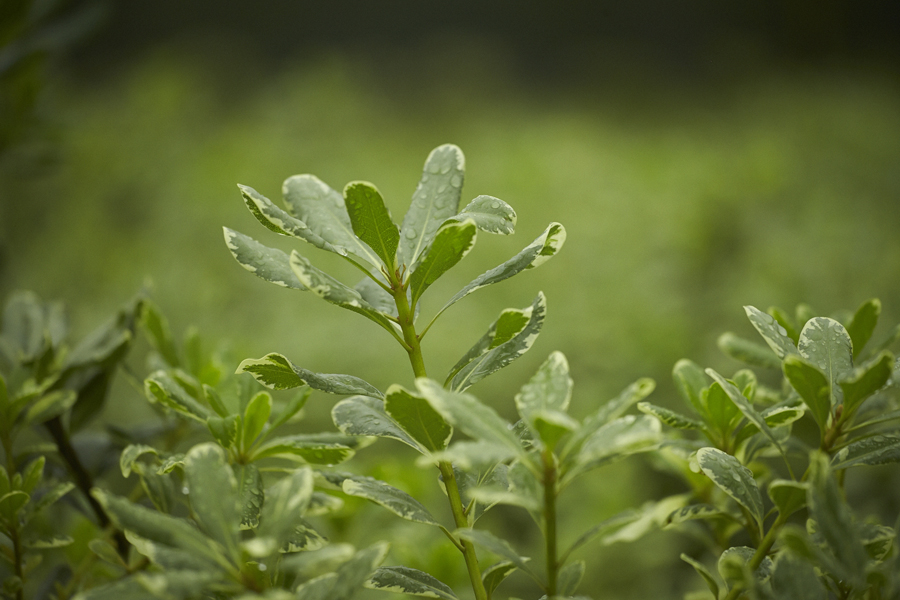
(702, 157)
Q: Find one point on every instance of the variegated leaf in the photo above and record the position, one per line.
(278, 373)
(270, 264)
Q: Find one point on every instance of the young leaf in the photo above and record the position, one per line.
(746, 351)
(324, 212)
(436, 199)
(694, 512)
(570, 577)
(788, 496)
(450, 245)
(404, 580)
(250, 490)
(795, 579)
(875, 450)
(824, 342)
(548, 389)
(510, 323)
(157, 327)
(277, 220)
(309, 450)
(862, 382)
(732, 478)
(490, 214)
(735, 395)
(32, 474)
(371, 220)
(617, 439)
(130, 455)
(256, 415)
(362, 415)
(278, 373)
(225, 430)
(494, 575)
(786, 322)
(535, 254)
(775, 335)
(703, 572)
(669, 417)
(398, 502)
(733, 567)
(213, 495)
(812, 386)
(417, 418)
(161, 387)
(270, 264)
(863, 323)
(50, 405)
(690, 381)
(501, 355)
(331, 290)
(11, 503)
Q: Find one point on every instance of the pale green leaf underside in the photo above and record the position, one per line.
(450, 245)
(435, 200)
(416, 416)
(617, 439)
(772, 332)
(270, 264)
(732, 478)
(276, 372)
(324, 212)
(365, 416)
(825, 343)
(398, 502)
(318, 452)
(331, 290)
(875, 450)
(669, 417)
(371, 220)
(509, 324)
(405, 580)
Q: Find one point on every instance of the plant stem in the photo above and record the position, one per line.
(764, 546)
(405, 317)
(550, 477)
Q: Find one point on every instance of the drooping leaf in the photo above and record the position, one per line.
(542, 249)
(874, 450)
(788, 496)
(746, 351)
(371, 220)
(270, 264)
(490, 214)
(450, 245)
(256, 415)
(772, 332)
(362, 415)
(703, 572)
(733, 478)
(863, 323)
(501, 355)
(130, 455)
(812, 386)
(405, 580)
(494, 575)
(161, 387)
(322, 209)
(825, 343)
(669, 417)
(276, 372)
(299, 446)
(398, 502)
(435, 199)
(331, 290)
(214, 496)
(493, 544)
(550, 389)
(865, 380)
(417, 418)
(735, 395)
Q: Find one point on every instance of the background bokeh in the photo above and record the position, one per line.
(702, 157)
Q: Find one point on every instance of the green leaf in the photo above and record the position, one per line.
(159, 488)
(812, 386)
(875, 450)
(703, 572)
(300, 446)
(605, 528)
(160, 528)
(450, 245)
(694, 512)
(158, 332)
(547, 392)
(106, 551)
(746, 351)
(690, 381)
(371, 220)
(32, 474)
(279, 221)
(735, 395)
(404, 580)
(824, 342)
(304, 538)
(490, 214)
(161, 387)
(256, 415)
(11, 503)
(417, 418)
(570, 577)
(130, 455)
(772, 332)
(551, 425)
(362, 415)
(323, 210)
(398, 502)
(52, 495)
(225, 430)
(493, 544)
(50, 405)
(732, 478)
(46, 543)
(788, 496)
(214, 496)
(669, 417)
(270, 264)
(494, 575)
(863, 323)
(23, 324)
(278, 373)
(435, 200)
(616, 440)
(786, 322)
(212, 398)
(510, 323)
(331, 290)
(795, 579)
(502, 354)
(250, 490)
(294, 405)
(311, 564)
(465, 412)
(348, 578)
(733, 566)
(284, 506)
(542, 249)
(865, 380)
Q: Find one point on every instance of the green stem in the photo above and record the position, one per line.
(405, 317)
(550, 476)
(761, 552)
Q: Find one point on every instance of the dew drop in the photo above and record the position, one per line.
(434, 168)
(262, 567)
(736, 477)
(185, 490)
(495, 205)
(442, 188)
(445, 169)
(410, 234)
(456, 181)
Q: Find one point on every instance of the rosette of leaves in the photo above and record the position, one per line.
(216, 553)
(399, 264)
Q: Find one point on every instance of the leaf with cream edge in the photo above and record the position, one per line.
(812, 386)
(787, 495)
(450, 245)
(669, 417)
(772, 332)
(435, 200)
(276, 372)
(616, 440)
(501, 355)
(365, 416)
(214, 496)
(323, 210)
(498, 546)
(863, 323)
(825, 343)
(491, 215)
(277, 220)
(542, 249)
(405, 580)
(371, 220)
(743, 405)
(161, 387)
(734, 479)
(510, 323)
(284, 506)
(417, 418)
(269, 264)
(746, 351)
(875, 450)
(542, 402)
(331, 290)
(397, 501)
(860, 383)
